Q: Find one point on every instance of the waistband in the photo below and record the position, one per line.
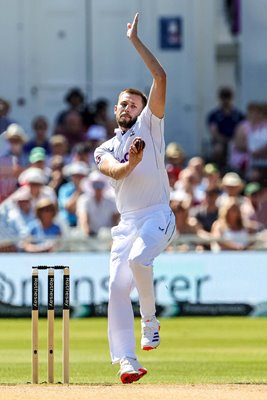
(144, 211)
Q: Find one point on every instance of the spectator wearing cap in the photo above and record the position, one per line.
(44, 228)
(255, 209)
(13, 161)
(40, 139)
(70, 192)
(222, 123)
(36, 180)
(21, 214)
(212, 178)
(96, 209)
(37, 157)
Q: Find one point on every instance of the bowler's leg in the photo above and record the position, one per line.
(120, 312)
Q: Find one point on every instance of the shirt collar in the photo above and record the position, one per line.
(119, 133)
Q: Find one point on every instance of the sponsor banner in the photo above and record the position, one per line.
(207, 278)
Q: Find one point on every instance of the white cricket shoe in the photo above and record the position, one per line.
(130, 370)
(150, 333)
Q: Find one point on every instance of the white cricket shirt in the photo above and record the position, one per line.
(147, 185)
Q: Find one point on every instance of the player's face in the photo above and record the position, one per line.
(127, 110)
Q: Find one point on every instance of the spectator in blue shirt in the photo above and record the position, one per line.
(70, 192)
(20, 215)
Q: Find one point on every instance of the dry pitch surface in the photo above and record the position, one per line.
(134, 392)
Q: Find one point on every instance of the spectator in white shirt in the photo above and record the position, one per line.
(96, 208)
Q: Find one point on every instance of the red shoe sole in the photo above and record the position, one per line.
(147, 348)
(130, 378)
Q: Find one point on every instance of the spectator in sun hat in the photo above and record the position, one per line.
(175, 157)
(21, 214)
(232, 186)
(96, 209)
(36, 180)
(13, 160)
(44, 228)
(16, 138)
(59, 147)
(69, 193)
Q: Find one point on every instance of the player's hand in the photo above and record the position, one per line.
(132, 28)
(136, 151)
(139, 143)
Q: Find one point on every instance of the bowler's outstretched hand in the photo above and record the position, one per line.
(132, 28)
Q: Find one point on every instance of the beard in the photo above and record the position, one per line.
(126, 123)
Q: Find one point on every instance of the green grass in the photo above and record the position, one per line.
(193, 350)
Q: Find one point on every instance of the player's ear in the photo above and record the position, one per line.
(115, 108)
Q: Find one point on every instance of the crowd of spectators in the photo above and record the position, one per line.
(51, 191)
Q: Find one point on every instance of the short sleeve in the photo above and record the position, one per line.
(103, 152)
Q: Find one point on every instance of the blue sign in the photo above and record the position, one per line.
(171, 34)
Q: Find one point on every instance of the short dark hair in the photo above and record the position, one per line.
(39, 120)
(225, 93)
(137, 92)
(74, 92)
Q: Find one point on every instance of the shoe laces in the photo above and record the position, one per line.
(124, 362)
(149, 327)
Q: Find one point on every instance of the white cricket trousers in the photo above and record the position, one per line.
(140, 237)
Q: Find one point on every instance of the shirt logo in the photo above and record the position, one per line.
(125, 158)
